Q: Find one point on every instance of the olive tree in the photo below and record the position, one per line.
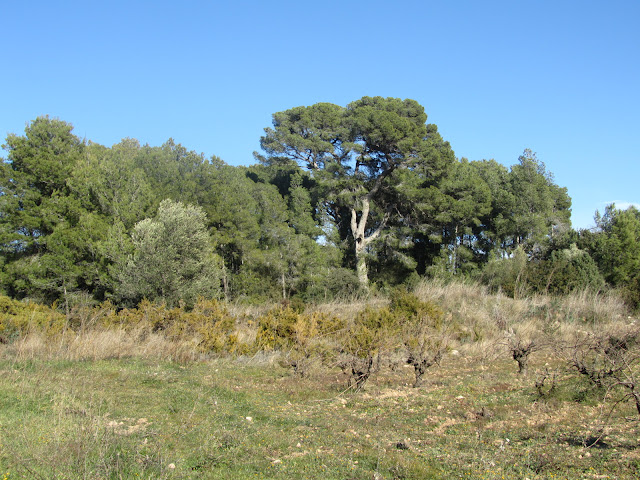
(173, 258)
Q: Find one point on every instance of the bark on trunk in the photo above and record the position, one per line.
(358, 227)
(357, 230)
(361, 264)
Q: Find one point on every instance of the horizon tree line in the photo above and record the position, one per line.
(342, 200)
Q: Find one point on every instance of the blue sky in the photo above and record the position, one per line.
(559, 77)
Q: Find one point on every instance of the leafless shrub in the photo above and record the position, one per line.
(609, 357)
(426, 341)
(425, 359)
(520, 350)
(521, 341)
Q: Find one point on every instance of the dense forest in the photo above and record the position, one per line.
(342, 200)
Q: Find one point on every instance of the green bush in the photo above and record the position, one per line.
(507, 275)
(565, 271)
(337, 283)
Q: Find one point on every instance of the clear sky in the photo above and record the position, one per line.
(559, 77)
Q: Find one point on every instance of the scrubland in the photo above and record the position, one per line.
(447, 381)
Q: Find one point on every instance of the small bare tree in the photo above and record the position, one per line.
(609, 358)
(426, 341)
(546, 383)
(424, 352)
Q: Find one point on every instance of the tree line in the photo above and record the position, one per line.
(340, 201)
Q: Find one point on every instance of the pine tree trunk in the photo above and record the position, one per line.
(357, 230)
(361, 264)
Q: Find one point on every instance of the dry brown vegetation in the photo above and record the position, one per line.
(479, 325)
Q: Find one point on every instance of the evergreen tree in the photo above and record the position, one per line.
(49, 233)
(355, 154)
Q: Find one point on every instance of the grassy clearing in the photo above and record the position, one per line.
(233, 419)
(134, 395)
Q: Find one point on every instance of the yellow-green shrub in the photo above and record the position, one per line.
(372, 330)
(304, 337)
(276, 328)
(210, 324)
(19, 318)
(407, 307)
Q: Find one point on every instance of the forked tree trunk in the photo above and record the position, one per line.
(358, 226)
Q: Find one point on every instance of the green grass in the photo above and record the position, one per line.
(122, 419)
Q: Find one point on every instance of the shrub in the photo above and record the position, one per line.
(17, 318)
(565, 271)
(507, 274)
(371, 334)
(521, 343)
(424, 336)
(173, 259)
(302, 336)
(276, 328)
(211, 326)
(337, 283)
(208, 326)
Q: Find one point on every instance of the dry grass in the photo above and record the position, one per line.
(102, 344)
(479, 321)
(349, 309)
(590, 306)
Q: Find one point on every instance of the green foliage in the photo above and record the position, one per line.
(173, 258)
(458, 205)
(343, 195)
(48, 235)
(334, 283)
(539, 206)
(507, 274)
(115, 183)
(527, 207)
(268, 247)
(615, 247)
(565, 271)
(353, 153)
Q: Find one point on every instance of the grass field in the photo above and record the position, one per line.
(251, 418)
(101, 394)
